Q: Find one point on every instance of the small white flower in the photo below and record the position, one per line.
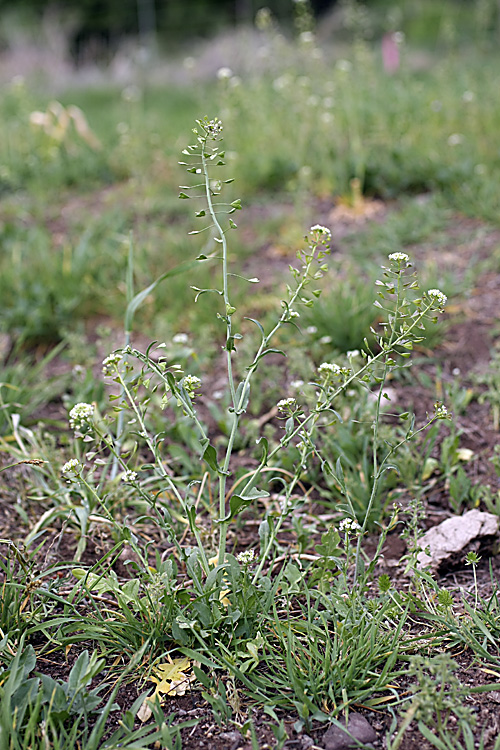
(224, 73)
(353, 353)
(214, 127)
(326, 368)
(73, 466)
(311, 330)
(399, 257)
(287, 405)
(80, 416)
(297, 383)
(129, 476)
(440, 411)
(322, 233)
(455, 139)
(349, 526)
(282, 82)
(306, 37)
(180, 338)
(246, 557)
(468, 96)
(110, 364)
(438, 297)
(294, 314)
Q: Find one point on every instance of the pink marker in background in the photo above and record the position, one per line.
(390, 53)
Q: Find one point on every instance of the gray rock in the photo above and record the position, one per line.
(306, 742)
(447, 540)
(342, 738)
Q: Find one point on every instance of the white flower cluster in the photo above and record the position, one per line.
(73, 466)
(214, 127)
(80, 417)
(306, 37)
(349, 526)
(287, 405)
(180, 338)
(129, 476)
(440, 411)
(322, 233)
(110, 364)
(224, 74)
(191, 383)
(246, 557)
(326, 368)
(399, 257)
(438, 297)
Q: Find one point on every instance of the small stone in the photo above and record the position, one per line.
(343, 738)
(447, 540)
(233, 740)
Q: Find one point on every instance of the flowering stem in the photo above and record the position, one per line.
(239, 407)
(153, 448)
(377, 471)
(313, 416)
(225, 285)
(272, 536)
(119, 423)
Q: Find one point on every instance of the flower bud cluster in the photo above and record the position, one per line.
(246, 557)
(73, 466)
(399, 257)
(191, 383)
(80, 417)
(327, 368)
(349, 526)
(213, 127)
(287, 405)
(110, 364)
(320, 234)
(438, 297)
(129, 476)
(440, 411)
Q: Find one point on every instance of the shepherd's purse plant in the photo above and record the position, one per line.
(161, 384)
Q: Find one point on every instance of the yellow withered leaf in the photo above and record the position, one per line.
(171, 679)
